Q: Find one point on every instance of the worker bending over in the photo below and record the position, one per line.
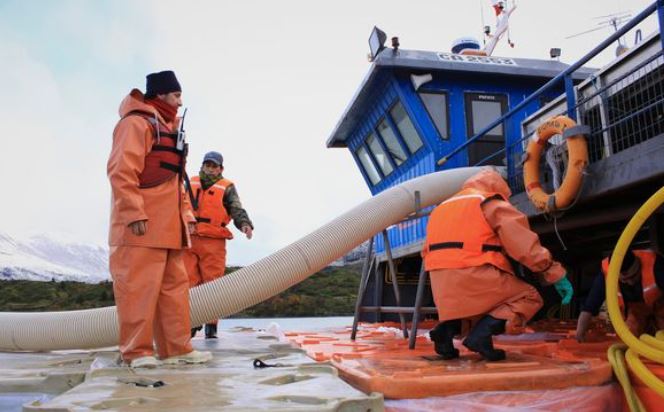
(469, 239)
(640, 294)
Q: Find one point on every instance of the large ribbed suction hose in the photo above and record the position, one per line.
(95, 328)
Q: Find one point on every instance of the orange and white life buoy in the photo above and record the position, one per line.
(578, 160)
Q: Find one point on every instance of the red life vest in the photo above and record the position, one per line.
(650, 290)
(458, 235)
(211, 215)
(165, 160)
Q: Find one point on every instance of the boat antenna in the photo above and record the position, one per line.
(610, 20)
(485, 29)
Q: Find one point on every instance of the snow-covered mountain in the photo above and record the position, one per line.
(46, 257)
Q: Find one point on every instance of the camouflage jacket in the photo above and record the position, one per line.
(234, 208)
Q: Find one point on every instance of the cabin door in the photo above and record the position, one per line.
(481, 110)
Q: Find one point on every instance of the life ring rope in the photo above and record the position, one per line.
(578, 161)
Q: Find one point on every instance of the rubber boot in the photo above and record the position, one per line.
(442, 337)
(480, 338)
(195, 330)
(210, 331)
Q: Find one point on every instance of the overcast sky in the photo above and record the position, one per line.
(265, 83)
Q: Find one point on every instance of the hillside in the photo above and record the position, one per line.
(51, 256)
(330, 292)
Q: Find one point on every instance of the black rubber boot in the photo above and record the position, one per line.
(194, 330)
(480, 338)
(210, 331)
(442, 337)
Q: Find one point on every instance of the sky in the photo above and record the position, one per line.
(265, 83)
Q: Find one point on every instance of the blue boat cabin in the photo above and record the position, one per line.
(415, 107)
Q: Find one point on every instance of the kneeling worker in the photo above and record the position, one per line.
(640, 283)
(216, 203)
(469, 238)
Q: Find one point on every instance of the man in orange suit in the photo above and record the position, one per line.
(149, 227)
(469, 238)
(216, 203)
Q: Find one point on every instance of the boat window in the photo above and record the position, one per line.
(392, 142)
(406, 128)
(436, 105)
(379, 154)
(368, 166)
(482, 109)
(485, 112)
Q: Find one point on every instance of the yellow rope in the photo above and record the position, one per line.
(617, 359)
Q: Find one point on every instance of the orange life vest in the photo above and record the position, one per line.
(459, 236)
(211, 215)
(165, 160)
(650, 290)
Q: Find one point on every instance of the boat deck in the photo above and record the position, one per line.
(90, 381)
(543, 365)
(546, 369)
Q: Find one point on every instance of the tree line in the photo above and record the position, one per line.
(330, 292)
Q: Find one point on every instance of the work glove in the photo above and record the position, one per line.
(564, 289)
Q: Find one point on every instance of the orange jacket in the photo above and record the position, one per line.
(651, 291)
(211, 215)
(511, 227)
(164, 206)
(458, 235)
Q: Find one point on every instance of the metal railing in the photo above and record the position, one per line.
(622, 113)
(626, 111)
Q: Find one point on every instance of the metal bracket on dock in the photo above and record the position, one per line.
(370, 267)
(580, 129)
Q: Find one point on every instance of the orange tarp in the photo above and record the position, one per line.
(380, 361)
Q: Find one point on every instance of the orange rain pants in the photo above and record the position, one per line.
(152, 298)
(467, 292)
(205, 261)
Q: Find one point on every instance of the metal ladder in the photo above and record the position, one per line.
(370, 268)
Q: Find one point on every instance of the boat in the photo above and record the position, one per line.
(582, 148)
(418, 126)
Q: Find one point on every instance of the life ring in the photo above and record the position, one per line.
(578, 160)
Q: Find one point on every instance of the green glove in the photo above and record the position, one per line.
(564, 289)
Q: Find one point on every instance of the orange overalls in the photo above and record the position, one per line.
(206, 260)
(149, 277)
(468, 238)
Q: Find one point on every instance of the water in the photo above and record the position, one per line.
(290, 324)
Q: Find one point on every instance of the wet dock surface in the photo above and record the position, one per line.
(87, 381)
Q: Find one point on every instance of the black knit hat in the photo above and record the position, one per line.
(161, 83)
